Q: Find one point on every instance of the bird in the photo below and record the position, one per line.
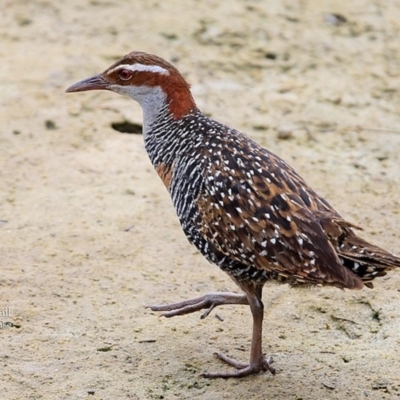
(244, 208)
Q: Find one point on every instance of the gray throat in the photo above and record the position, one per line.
(153, 106)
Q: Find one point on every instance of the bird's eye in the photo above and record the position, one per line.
(125, 74)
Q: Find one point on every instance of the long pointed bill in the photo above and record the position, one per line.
(93, 83)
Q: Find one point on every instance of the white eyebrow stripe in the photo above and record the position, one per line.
(141, 67)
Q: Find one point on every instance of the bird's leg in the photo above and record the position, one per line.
(208, 301)
(257, 360)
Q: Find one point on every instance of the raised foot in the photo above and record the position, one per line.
(208, 301)
(242, 369)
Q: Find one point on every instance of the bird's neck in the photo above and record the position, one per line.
(167, 138)
(153, 105)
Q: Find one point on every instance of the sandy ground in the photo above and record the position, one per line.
(88, 235)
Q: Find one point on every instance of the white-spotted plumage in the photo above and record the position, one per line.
(243, 207)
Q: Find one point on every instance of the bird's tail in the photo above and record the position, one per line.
(365, 259)
(361, 257)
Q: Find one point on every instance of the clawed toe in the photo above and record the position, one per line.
(242, 369)
(208, 302)
(231, 361)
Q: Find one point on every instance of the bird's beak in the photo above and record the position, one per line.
(93, 83)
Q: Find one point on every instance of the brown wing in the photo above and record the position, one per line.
(257, 211)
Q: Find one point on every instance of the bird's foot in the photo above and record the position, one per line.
(208, 301)
(242, 369)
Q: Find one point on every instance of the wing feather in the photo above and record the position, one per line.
(257, 211)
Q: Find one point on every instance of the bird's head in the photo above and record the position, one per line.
(146, 78)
